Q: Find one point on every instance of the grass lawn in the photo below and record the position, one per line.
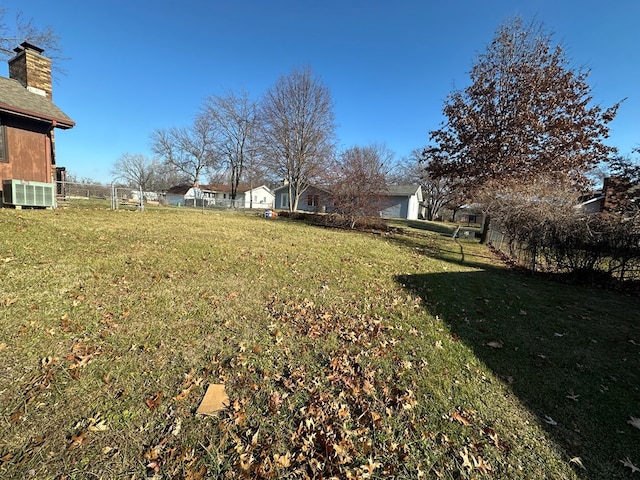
(344, 355)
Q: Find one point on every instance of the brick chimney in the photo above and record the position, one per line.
(31, 69)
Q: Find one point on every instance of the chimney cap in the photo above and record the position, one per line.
(28, 46)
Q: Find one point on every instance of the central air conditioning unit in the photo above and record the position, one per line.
(21, 193)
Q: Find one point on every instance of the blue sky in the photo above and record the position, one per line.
(137, 65)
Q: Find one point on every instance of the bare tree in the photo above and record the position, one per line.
(137, 170)
(234, 121)
(21, 29)
(298, 130)
(361, 182)
(439, 191)
(191, 150)
(526, 112)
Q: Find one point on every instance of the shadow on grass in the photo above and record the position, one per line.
(443, 247)
(571, 354)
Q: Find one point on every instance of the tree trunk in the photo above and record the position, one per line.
(485, 229)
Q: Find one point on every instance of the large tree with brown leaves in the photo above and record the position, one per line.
(526, 112)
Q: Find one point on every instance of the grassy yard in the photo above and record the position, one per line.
(344, 355)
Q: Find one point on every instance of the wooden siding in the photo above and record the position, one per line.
(29, 155)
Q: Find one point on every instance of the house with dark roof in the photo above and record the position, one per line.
(28, 118)
(188, 196)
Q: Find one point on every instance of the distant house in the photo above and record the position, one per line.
(219, 195)
(28, 118)
(188, 196)
(313, 199)
(402, 201)
(469, 214)
(618, 195)
(246, 197)
(259, 197)
(591, 203)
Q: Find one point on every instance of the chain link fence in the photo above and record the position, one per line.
(119, 196)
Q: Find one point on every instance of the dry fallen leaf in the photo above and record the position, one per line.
(464, 454)
(549, 420)
(495, 344)
(482, 465)
(634, 422)
(578, 462)
(283, 461)
(627, 463)
(77, 440)
(461, 419)
(154, 400)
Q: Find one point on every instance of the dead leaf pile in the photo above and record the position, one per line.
(338, 412)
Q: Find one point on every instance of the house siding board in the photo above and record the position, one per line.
(394, 207)
(28, 154)
(402, 201)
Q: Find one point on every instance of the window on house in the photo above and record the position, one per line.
(284, 200)
(313, 200)
(3, 150)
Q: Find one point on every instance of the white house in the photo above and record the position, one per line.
(259, 197)
(220, 196)
(189, 195)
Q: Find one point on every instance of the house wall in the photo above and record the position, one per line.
(315, 200)
(320, 200)
(413, 208)
(277, 199)
(263, 198)
(394, 207)
(174, 199)
(29, 154)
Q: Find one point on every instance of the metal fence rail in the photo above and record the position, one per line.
(120, 196)
(542, 260)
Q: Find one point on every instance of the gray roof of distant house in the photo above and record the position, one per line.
(17, 100)
(401, 190)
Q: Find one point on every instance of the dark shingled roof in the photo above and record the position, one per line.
(17, 100)
(179, 189)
